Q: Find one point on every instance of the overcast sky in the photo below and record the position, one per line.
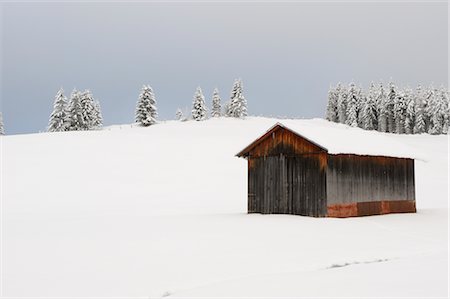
(287, 54)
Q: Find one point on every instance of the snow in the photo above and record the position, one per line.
(161, 211)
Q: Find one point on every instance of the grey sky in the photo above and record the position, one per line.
(286, 53)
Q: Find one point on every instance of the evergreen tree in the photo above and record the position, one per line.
(370, 111)
(146, 112)
(432, 112)
(420, 125)
(352, 106)
(74, 120)
(238, 103)
(226, 109)
(390, 110)
(98, 117)
(88, 110)
(2, 127)
(381, 107)
(342, 103)
(332, 112)
(400, 111)
(446, 112)
(199, 111)
(438, 111)
(410, 119)
(179, 114)
(360, 100)
(57, 117)
(216, 110)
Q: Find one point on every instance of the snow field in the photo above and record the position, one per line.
(161, 210)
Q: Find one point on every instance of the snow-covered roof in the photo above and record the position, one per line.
(342, 139)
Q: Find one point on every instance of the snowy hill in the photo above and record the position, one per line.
(131, 211)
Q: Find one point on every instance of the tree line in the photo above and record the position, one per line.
(83, 112)
(146, 110)
(390, 109)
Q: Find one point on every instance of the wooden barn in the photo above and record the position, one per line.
(329, 170)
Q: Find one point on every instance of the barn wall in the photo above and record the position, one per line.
(369, 185)
(288, 185)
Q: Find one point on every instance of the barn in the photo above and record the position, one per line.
(328, 170)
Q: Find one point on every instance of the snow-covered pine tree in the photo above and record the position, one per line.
(98, 117)
(410, 118)
(88, 110)
(57, 117)
(352, 106)
(234, 92)
(342, 103)
(438, 112)
(74, 120)
(433, 112)
(216, 110)
(2, 127)
(179, 114)
(238, 103)
(226, 109)
(146, 112)
(446, 112)
(199, 111)
(369, 112)
(381, 99)
(332, 114)
(390, 113)
(420, 125)
(400, 111)
(360, 100)
(444, 109)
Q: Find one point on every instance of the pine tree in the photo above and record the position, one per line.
(352, 106)
(433, 111)
(74, 120)
(369, 112)
(420, 125)
(179, 114)
(438, 123)
(97, 116)
(2, 127)
(400, 111)
(238, 103)
(88, 110)
(410, 119)
(390, 114)
(199, 111)
(146, 112)
(342, 103)
(446, 112)
(381, 99)
(332, 112)
(360, 100)
(57, 117)
(216, 110)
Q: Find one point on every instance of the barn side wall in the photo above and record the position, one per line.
(288, 185)
(367, 185)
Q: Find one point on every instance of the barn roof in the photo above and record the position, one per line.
(341, 139)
